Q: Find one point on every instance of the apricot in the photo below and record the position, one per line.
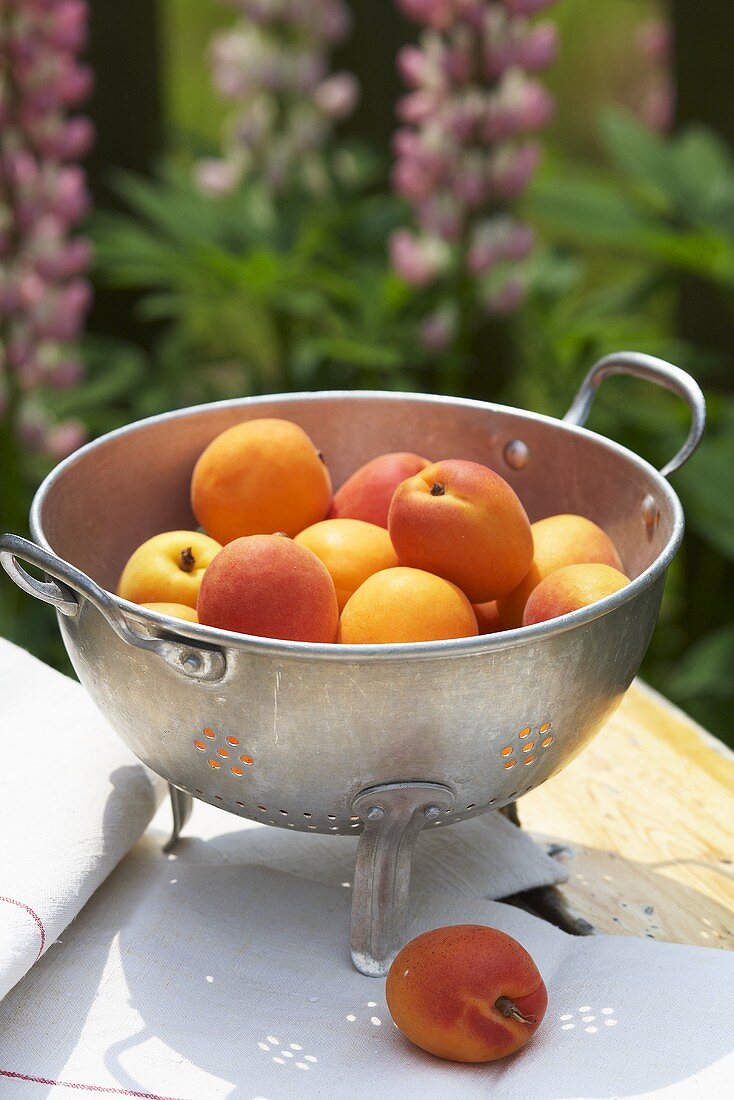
(466, 992)
(351, 550)
(168, 568)
(175, 610)
(570, 588)
(463, 522)
(560, 540)
(406, 605)
(270, 586)
(368, 492)
(488, 617)
(260, 477)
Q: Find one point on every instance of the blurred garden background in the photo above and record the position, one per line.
(202, 199)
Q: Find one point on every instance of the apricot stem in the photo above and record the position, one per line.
(509, 1009)
(187, 561)
(437, 489)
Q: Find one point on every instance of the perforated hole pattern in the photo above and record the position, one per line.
(525, 748)
(224, 754)
(508, 755)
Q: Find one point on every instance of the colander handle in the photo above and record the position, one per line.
(68, 584)
(650, 369)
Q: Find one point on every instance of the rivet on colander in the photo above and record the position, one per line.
(517, 454)
(650, 511)
(375, 813)
(431, 813)
(192, 663)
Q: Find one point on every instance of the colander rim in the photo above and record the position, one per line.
(210, 637)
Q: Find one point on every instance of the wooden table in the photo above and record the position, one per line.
(643, 820)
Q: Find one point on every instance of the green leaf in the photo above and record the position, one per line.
(706, 484)
(706, 667)
(703, 171)
(358, 352)
(638, 153)
(591, 212)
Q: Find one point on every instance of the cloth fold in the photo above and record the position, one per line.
(73, 801)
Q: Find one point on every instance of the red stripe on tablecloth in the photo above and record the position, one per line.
(37, 919)
(76, 1085)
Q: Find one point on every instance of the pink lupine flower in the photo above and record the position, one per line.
(458, 160)
(216, 177)
(657, 105)
(272, 65)
(539, 48)
(438, 328)
(527, 7)
(43, 295)
(65, 438)
(506, 298)
(417, 259)
(337, 95)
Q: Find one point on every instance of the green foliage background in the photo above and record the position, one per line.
(243, 296)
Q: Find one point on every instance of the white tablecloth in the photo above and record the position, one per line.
(223, 970)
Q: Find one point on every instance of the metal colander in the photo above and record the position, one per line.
(381, 741)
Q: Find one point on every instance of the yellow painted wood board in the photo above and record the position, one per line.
(644, 820)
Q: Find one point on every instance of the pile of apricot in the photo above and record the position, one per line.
(406, 550)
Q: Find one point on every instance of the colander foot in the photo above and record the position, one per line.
(510, 812)
(393, 815)
(181, 807)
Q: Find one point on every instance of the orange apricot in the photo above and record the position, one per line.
(466, 992)
(269, 586)
(571, 588)
(406, 605)
(260, 477)
(175, 610)
(351, 550)
(488, 617)
(463, 522)
(168, 568)
(366, 495)
(560, 540)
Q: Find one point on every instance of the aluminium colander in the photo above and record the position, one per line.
(380, 741)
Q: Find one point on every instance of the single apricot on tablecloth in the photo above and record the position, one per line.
(466, 992)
